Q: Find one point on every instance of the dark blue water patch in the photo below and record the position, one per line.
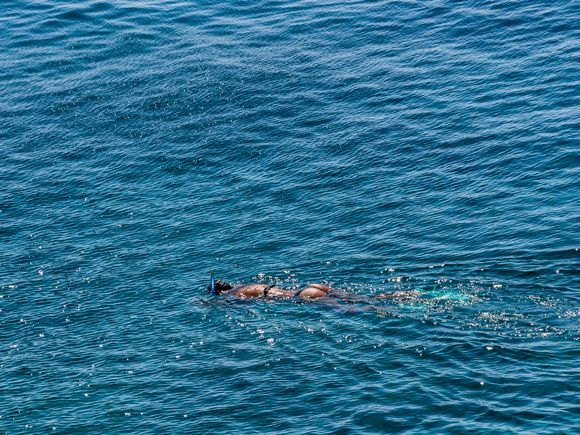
(376, 146)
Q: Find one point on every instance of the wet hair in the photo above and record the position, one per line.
(220, 286)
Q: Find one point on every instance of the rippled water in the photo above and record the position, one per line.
(377, 145)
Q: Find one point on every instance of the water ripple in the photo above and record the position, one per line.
(379, 146)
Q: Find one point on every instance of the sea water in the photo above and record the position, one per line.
(379, 146)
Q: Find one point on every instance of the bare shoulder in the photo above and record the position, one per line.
(250, 291)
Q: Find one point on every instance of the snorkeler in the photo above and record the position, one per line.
(310, 292)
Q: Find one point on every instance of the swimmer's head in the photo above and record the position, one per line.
(219, 287)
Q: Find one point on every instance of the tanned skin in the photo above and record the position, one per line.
(309, 293)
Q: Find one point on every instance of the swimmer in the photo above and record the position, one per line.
(308, 293)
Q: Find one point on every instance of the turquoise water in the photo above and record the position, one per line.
(377, 145)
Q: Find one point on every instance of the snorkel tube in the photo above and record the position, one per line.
(212, 284)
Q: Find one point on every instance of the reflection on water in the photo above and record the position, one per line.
(379, 146)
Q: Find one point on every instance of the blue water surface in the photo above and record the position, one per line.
(376, 145)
